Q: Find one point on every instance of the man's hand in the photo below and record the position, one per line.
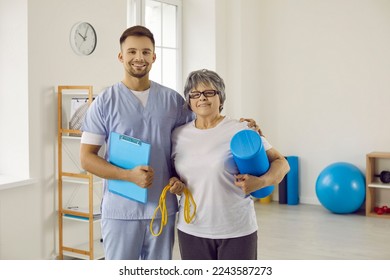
(252, 124)
(141, 175)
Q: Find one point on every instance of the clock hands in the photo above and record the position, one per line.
(86, 30)
(84, 37)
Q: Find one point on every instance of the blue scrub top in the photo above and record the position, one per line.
(118, 109)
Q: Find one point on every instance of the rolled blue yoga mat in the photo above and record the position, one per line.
(292, 181)
(250, 156)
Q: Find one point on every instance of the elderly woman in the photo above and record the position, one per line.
(225, 224)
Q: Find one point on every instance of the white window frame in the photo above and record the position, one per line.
(14, 98)
(136, 16)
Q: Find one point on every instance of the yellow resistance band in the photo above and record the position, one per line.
(188, 217)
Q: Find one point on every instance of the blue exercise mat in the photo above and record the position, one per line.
(292, 181)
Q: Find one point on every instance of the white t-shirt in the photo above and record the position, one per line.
(142, 96)
(204, 162)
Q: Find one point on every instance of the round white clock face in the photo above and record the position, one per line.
(83, 38)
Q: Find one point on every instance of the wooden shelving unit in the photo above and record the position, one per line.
(92, 249)
(373, 184)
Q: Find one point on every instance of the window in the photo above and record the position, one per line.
(163, 18)
(14, 119)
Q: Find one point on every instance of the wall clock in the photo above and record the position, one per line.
(83, 38)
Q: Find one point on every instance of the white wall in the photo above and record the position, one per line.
(199, 27)
(211, 40)
(27, 214)
(315, 75)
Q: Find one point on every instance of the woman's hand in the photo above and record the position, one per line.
(249, 183)
(177, 186)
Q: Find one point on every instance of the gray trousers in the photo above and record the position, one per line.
(198, 248)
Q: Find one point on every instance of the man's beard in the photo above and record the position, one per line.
(138, 74)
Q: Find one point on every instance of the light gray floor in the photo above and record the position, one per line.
(310, 232)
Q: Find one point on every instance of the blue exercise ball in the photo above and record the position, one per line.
(340, 188)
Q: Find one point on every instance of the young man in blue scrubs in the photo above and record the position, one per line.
(146, 110)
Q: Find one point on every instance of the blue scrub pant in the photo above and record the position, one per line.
(132, 239)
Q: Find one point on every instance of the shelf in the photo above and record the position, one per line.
(79, 93)
(82, 181)
(75, 175)
(373, 214)
(379, 185)
(76, 90)
(81, 214)
(376, 161)
(89, 249)
(81, 219)
(72, 137)
(385, 155)
(68, 131)
(73, 251)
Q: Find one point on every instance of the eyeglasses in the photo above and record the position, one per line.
(206, 93)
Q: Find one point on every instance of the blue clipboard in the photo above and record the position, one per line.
(128, 152)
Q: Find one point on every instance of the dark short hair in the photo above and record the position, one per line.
(139, 31)
(205, 77)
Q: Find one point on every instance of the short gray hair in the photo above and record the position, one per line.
(205, 77)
